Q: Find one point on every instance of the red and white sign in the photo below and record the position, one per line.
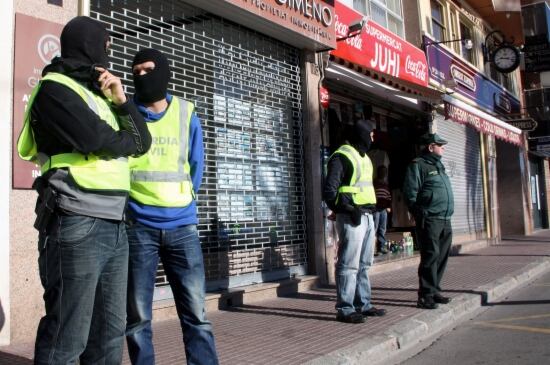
(324, 97)
(499, 130)
(36, 43)
(378, 49)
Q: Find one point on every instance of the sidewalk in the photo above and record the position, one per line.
(302, 328)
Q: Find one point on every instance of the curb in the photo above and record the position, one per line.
(403, 336)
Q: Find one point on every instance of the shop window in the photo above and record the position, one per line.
(506, 80)
(360, 6)
(387, 13)
(378, 14)
(394, 6)
(438, 21)
(454, 30)
(466, 33)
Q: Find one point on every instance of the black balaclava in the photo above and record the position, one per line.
(152, 86)
(359, 135)
(83, 42)
(84, 39)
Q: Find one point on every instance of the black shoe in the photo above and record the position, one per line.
(383, 251)
(374, 312)
(350, 318)
(438, 298)
(426, 303)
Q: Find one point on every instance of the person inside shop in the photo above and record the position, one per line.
(349, 192)
(163, 216)
(383, 207)
(429, 197)
(80, 128)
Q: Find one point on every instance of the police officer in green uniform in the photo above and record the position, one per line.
(349, 192)
(429, 197)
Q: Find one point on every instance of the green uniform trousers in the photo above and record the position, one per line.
(434, 237)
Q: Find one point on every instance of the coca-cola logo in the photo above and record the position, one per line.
(342, 31)
(417, 69)
(340, 28)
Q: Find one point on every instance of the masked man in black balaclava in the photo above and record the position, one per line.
(163, 216)
(80, 128)
(349, 192)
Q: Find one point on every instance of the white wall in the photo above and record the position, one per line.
(6, 49)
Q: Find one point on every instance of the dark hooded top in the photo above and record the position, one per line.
(340, 169)
(61, 119)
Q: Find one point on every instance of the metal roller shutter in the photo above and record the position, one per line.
(246, 88)
(462, 160)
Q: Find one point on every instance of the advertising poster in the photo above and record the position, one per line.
(36, 43)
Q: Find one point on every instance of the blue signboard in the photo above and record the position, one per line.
(486, 93)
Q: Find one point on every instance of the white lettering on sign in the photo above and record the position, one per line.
(462, 116)
(385, 38)
(386, 60)
(416, 69)
(463, 78)
(310, 9)
(342, 31)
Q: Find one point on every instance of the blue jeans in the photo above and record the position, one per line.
(355, 257)
(83, 264)
(380, 222)
(181, 255)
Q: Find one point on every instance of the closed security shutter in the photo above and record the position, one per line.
(246, 88)
(462, 160)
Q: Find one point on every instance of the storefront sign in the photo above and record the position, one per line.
(378, 49)
(311, 18)
(527, 124)
(463, 116)
(486, 93)
(36, 43)
(540, 144)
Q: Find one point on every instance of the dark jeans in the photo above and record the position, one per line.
(434, 239)
(181, 255)
(83, 264)
(380, 222)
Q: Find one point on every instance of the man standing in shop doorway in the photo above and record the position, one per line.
(163, 216)
(349, 192)
(429, 197)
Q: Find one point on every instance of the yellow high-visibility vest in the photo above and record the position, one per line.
(90, 172)
(162, 176)
(361, 187)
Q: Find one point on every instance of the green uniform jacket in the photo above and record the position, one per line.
(427, 188)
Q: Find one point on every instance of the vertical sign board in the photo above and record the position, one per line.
(36, 43)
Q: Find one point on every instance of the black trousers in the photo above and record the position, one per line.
(434, 238)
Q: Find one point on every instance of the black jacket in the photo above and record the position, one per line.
(62, 122)
(339, 172)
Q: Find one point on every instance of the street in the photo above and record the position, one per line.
(515, 330)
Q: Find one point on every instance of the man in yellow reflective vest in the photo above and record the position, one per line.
(349, 192)
(80, 128)
(163, 216)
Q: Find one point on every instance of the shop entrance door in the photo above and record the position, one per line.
(538, 198)
(462, 160)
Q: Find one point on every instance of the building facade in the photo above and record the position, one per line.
(487, 156)
(251, 70)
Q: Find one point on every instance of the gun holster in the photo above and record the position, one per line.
(45, 206)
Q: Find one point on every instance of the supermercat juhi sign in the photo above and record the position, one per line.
(378, 49)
